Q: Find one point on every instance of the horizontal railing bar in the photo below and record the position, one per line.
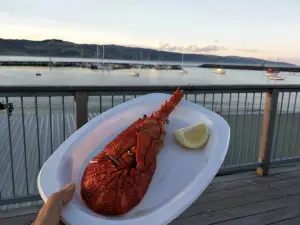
(237, 168)
(195, 91)
(285, 160)
(16, 200)
(20, 211)
(244, 87)
(35, 93)
(253, 166)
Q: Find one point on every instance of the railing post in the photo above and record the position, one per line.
(80, 108)
(267, 132)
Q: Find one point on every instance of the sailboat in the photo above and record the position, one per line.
(273, 75)
(271, 72)
(102, 66)
(182, 69)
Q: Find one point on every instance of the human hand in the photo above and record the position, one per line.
(51, 210)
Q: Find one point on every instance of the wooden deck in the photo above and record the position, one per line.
(237, 199)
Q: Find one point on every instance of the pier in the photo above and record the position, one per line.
(257, 183)
(251, 67)
(92, 64)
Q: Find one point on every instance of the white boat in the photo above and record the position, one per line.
(183, 71)
(271, 74)
(219, 71)
(136, 74)
(276, 78)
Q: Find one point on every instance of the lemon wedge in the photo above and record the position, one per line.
(194, 136)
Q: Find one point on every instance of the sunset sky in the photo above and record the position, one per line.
(256, 28)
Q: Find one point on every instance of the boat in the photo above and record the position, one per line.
(101, 66)
(86, 65)
(276, 78)
(271, 72)
(219, 71)
(182, 70)
(161, 67)
(136, 74)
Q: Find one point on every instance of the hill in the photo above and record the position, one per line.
(59, 48)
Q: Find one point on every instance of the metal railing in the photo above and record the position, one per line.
(263, 119)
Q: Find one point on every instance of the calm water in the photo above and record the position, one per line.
(81, 76)
(195, 76)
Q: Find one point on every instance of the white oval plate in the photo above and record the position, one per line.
(180, 177)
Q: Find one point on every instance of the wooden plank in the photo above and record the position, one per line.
(245, 190)
(238, 212)
(240, 201)
(250, 181)
(294, 221)
(270, 217)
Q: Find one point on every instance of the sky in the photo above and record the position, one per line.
(265, 29)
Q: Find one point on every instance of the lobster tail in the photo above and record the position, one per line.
(169, 105)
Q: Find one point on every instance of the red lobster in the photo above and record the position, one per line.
(116, 180)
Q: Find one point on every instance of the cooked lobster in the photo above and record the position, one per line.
(117, 179)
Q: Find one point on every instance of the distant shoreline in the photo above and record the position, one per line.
(251, 67)
(116, 64)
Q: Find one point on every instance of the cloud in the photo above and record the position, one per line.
(246, 50)
(190, 48)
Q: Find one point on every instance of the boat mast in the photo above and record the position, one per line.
(103, 54)
(97, 51)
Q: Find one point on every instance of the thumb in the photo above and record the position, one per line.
(66, 194)
(51, 210)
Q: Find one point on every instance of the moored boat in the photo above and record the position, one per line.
(132, 73)
(219, 71)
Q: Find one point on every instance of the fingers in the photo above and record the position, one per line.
(51, 210)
